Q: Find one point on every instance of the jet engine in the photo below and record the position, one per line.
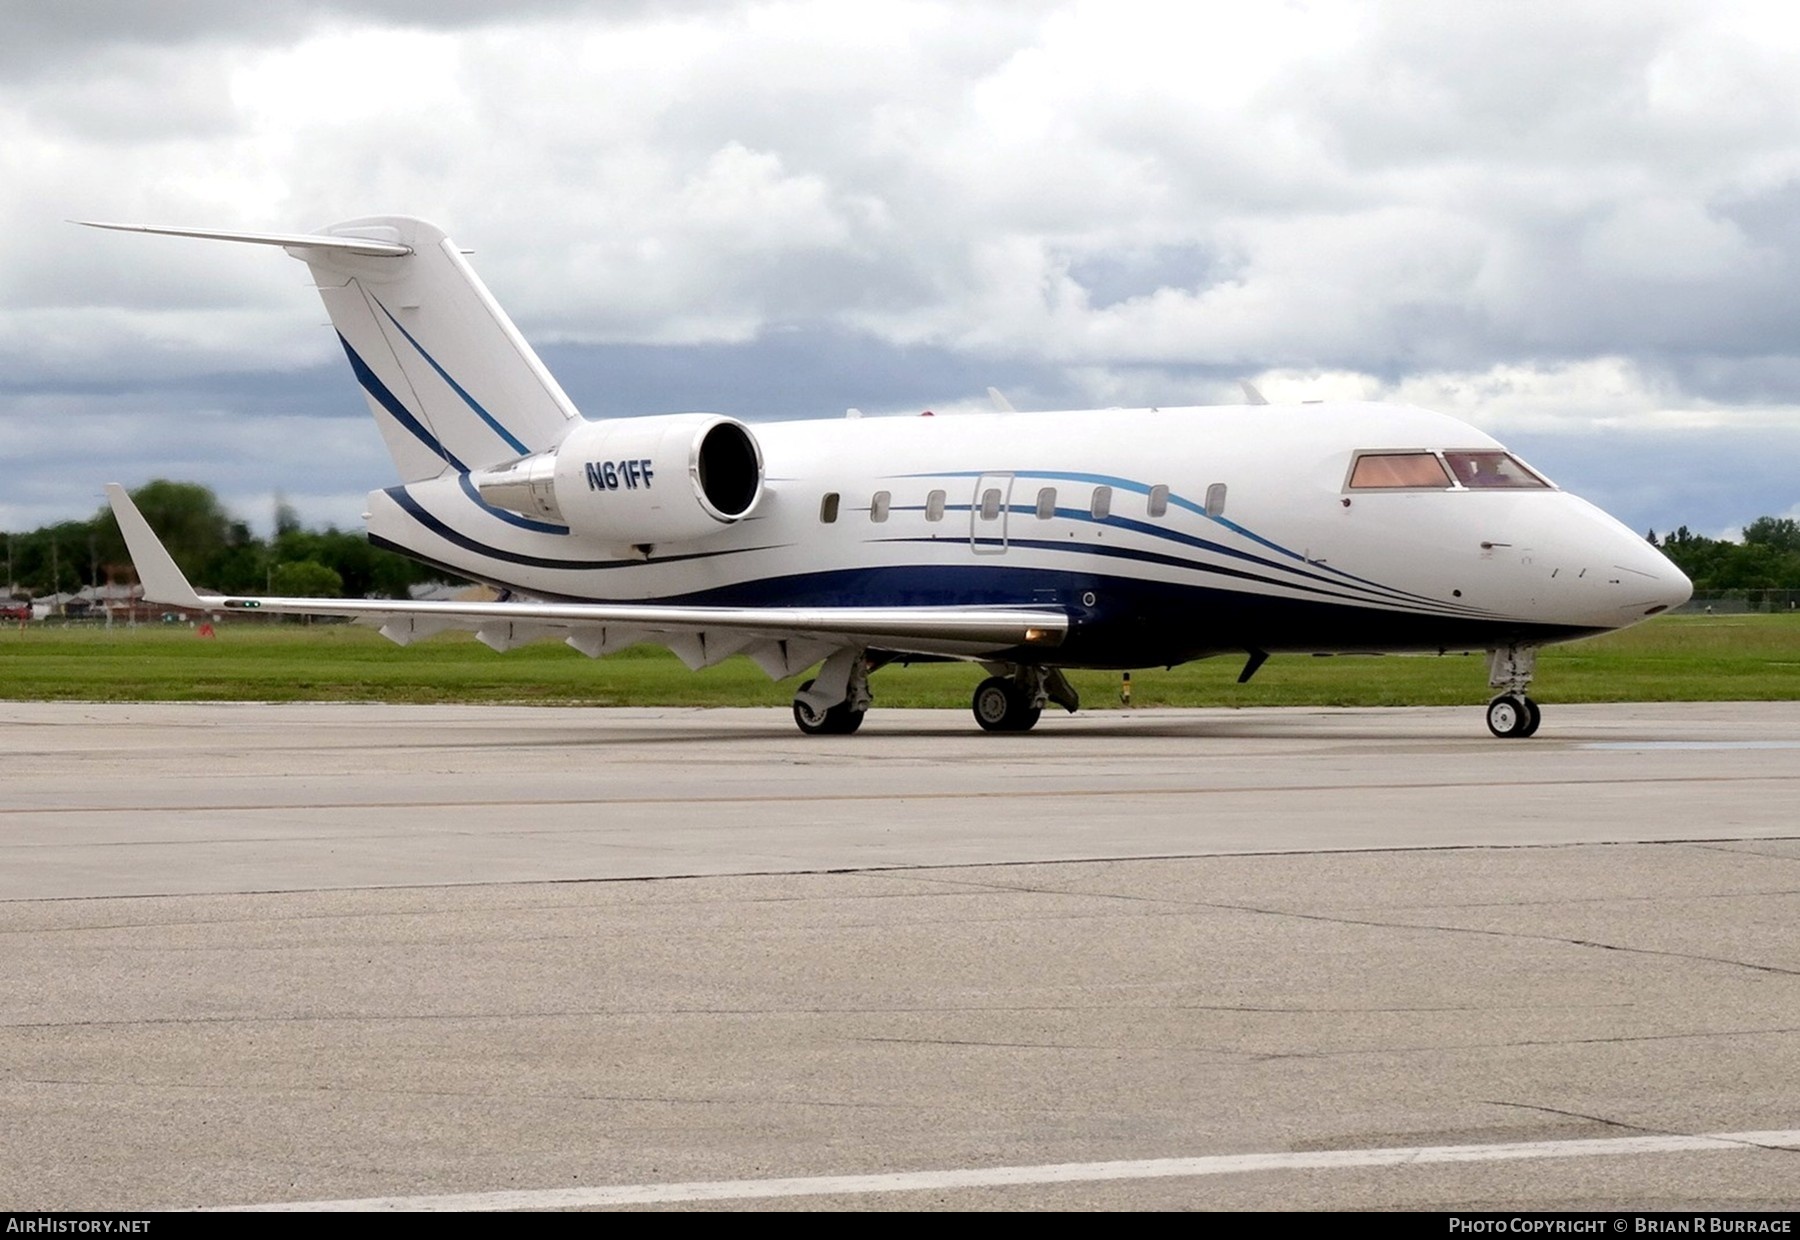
(632, 481)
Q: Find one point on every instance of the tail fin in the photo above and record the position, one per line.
(452, 384)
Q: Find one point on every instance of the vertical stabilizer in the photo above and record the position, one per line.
(450, 381)
(452, 384)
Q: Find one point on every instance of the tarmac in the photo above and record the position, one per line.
(550, 958)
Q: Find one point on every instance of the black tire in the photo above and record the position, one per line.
(1510, 715)
(1537, 716)
(1000, 706)
(839, 720)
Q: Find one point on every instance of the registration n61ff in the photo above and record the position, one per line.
(612, 475)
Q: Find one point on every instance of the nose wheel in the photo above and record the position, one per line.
(1513, 714)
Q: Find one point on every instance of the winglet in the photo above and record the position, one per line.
(163, 581)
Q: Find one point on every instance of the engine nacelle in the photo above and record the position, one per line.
(632, 481)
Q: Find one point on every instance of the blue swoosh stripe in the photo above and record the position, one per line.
(1427, 607)
(436, 525)
(456, 387)
(1189, 540)
(511, 518)
(1202, 544)
(372, 384)
(1140, 488)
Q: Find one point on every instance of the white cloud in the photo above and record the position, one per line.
(1541, 216)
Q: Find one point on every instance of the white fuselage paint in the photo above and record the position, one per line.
(1288, 564)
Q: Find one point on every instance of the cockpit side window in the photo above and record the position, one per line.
(1393, 471)
(1493, 470)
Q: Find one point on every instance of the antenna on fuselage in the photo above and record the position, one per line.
(1001, 404)
(1251, 393)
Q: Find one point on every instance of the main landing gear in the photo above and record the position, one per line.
(1513, 713)
(834, 702)
(1012, 700)
(837, 720)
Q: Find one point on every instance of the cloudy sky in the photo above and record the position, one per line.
(1576, 225)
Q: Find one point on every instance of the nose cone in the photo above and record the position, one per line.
(1620, 577)
(1655, 577)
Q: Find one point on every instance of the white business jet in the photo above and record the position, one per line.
(1025, 542)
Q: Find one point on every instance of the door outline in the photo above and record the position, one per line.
(982, 539)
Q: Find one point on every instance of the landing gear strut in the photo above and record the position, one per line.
(1512, 713)
(834, 702)
(1013, 698)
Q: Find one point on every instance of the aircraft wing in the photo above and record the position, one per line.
(782, 640)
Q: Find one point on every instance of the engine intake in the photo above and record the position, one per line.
(632, 481)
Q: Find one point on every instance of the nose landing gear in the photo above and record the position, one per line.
(1512, 713)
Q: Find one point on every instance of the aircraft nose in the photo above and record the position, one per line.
(1650, 581)
(1677, 589)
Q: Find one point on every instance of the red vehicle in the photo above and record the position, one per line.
(10, 611)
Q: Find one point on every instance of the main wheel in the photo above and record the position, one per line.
(1537, 716)
(839, 720)
(1512, 714)
(1001, 706)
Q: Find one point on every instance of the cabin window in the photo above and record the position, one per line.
(990, 504)
(1158, 504)
(1101, 508)
(1215, 500)
(934, 506)
(1390, 471)
(1490, 470)
(1046, 505)
(878, 507)
(828, 508)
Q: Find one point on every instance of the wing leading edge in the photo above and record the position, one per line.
(776, 637)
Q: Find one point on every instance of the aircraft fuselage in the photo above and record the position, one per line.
(1166, 534)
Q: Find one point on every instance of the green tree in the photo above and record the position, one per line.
(1779, 533)
(188, 518)
(216, 551)
(305, 579)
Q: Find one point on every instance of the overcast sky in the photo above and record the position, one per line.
(1576, 225)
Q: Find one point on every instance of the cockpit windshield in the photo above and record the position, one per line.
(1492, 470)
(1482, 469)
(1391, 471)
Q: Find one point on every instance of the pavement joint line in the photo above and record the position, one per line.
(992, 794)
(874, 870)
(1782, 1140)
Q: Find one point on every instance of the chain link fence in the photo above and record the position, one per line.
(1741, 602)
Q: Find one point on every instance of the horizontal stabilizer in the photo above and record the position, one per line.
(290, 241)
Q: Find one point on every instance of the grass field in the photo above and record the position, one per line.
(1676, 658)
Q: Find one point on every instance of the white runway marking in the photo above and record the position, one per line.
(1692, 745)
(1056, 1173)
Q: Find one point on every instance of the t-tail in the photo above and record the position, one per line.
(451, 382)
